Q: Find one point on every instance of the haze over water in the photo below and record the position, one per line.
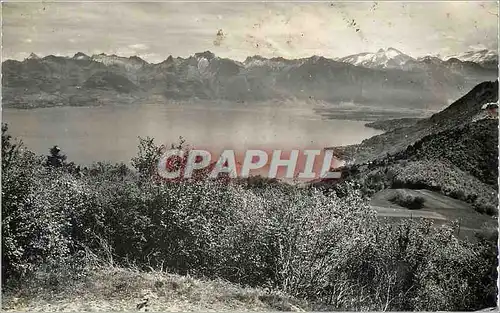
(90, 134)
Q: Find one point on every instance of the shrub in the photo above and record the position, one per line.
(407, 200)
(324, 246)
(147, 158)
(36, 206)
(484, 206)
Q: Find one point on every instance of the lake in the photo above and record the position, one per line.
(89, 134)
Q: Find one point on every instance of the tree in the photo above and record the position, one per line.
(9, 150)
(56, 158)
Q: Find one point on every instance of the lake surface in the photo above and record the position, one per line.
(89, 134)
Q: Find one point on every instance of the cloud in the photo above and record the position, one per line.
(124, 51)
(152, 57)
(292, 30)
(138, 46)
(477, 47)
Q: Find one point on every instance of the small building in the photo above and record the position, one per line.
(491, 109)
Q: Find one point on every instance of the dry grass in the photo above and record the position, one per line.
(116, 289)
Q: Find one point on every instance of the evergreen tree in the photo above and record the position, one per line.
(56, 158)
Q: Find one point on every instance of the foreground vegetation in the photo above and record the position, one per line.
(461, 162)
(407, 200)
(110, 288)
(326, 247)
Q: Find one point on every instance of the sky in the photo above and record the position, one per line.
(235, 30)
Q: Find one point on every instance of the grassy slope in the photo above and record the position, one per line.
(116, 289)
(437, 206)
(472, 148)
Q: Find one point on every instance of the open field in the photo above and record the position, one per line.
(437, 207)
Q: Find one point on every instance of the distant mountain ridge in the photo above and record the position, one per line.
(390, 58)
(394, 58)
(484, 57)
(390, 78)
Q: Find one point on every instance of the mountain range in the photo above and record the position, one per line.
(385, 78)
(393, 58)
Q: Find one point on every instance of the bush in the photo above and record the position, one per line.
(484, 206)
(407, 200)
(36, 209)
(324, 246)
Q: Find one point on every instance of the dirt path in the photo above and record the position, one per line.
(393, 212)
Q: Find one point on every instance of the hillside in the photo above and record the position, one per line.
(391, 124)
(471, 148)
(414, 83)
(459, 113)
(452, 152)
(110, 80)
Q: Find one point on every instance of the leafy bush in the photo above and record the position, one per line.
(36, 206)
(407, 200)
(327, 247)
(148, 156)
(484, 206)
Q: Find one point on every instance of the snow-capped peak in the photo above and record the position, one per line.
(389, 58)
(477, 56)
